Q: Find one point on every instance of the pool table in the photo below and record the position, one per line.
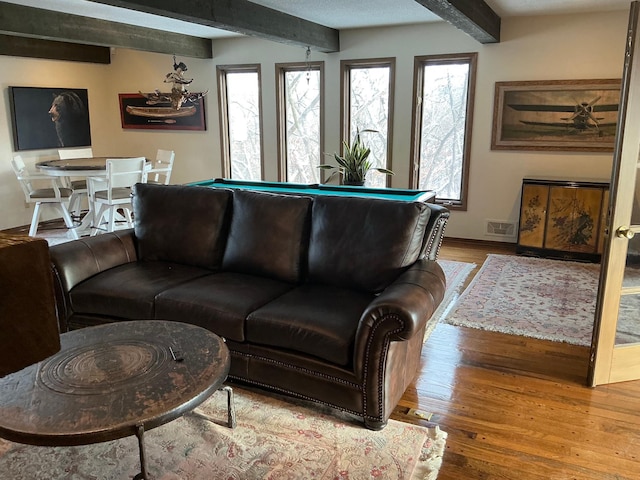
(322, 189)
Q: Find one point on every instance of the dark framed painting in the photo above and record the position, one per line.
(561, 115)
(137, 112)
(49, 117)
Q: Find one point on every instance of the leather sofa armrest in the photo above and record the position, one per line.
(400, 311)
(75, 261)
(435, 231)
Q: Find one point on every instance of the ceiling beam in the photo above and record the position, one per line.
(21, 21)
(36, 48)
(474, 17)
(241, 16)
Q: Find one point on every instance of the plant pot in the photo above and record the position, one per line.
(353, 183)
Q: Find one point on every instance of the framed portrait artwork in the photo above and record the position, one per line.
(561, 115)
(49, 117)
(136, 112)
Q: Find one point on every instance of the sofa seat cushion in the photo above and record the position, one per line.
(129, 290)
(364, 243)
(219, 302)
(318, 320)
(269, 235)
(181, 224)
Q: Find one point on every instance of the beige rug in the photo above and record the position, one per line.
(456, 273)
(274, 439)
(540, 298)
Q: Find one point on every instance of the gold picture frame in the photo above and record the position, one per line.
(559, 115)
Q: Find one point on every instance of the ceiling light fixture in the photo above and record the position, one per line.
(179, 95)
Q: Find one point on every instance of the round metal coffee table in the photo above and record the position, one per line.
(112, 381)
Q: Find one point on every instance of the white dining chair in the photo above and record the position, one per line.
(79, 186)
(113, 191)
(160, 171)
(52, 195)
(67, 153)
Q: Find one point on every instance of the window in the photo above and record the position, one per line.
(367, 93)
(300, 110)
(240, 121)
(442, 118)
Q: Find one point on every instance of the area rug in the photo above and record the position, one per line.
(540, 298)
(455, 273)
(54, 236)
(274, 439)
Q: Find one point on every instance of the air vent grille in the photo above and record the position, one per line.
(498, 228)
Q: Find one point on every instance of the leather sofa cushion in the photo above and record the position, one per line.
(268, 236)
(318, 320)
(129, 290)
(219, 302)
(364, 243)
(181, 224)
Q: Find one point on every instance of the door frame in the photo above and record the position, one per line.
(608, 362)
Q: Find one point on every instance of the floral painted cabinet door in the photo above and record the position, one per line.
(562, 219)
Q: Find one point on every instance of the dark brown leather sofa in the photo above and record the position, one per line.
(324, 298)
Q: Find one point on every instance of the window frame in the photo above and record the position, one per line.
(416, 120)
(223, 112)
(281, 121)
(345, 105)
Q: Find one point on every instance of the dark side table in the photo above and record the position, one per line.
(112, 381)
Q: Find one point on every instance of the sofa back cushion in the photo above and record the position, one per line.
(269, 235)
(181, 224)
(364, 243)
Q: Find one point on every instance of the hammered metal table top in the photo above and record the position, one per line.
(108, 379)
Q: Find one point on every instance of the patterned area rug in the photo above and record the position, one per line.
(456, 273)
(539, 298)
(274, 439)
(55, 236)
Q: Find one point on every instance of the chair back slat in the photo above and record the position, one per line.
(162, 168)
(20, 169)
(125, 172)
(75, 153)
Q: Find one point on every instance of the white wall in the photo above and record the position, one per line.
(532, 48)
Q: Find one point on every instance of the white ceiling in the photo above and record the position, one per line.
(339, 14)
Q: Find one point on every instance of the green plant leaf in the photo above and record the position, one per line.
(354, 163)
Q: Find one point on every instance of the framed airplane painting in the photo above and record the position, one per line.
(561, 115)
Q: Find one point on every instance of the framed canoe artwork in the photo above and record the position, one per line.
(561, 115)
(138, 112)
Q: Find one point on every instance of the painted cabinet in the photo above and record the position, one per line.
(562, 219)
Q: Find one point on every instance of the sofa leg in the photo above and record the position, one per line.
(375, 424)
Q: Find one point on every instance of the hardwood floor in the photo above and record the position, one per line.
(518, 408)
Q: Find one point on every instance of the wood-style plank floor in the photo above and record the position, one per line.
(518, 408)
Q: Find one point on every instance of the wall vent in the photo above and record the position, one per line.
(499, 228)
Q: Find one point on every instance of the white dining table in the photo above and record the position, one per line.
(78, 167)
(75, 167)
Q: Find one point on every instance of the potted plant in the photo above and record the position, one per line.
(354, 163)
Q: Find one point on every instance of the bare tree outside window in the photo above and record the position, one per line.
(242, 125)
(300, 93)
(370, 103)
(443, 119)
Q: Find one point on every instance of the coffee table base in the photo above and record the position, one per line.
(231, 423)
